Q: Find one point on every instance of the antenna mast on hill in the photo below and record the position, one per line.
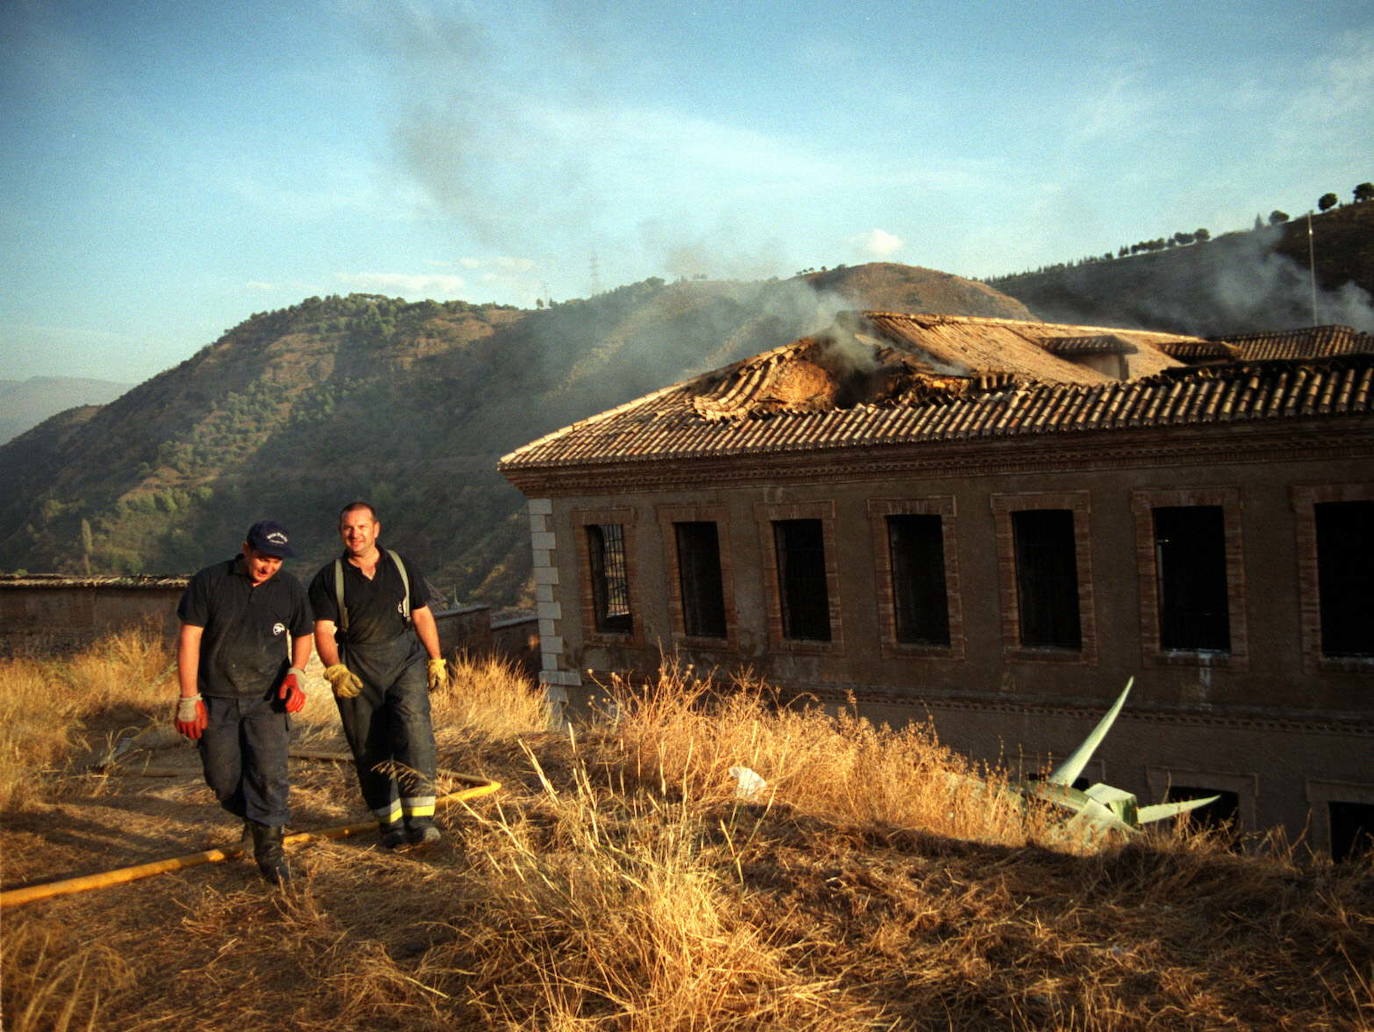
(595, 275)
(1312, 265)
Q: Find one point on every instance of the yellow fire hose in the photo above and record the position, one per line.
(29, 893)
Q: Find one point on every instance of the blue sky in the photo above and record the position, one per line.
(172, 166)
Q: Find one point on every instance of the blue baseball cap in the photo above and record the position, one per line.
(270, 538)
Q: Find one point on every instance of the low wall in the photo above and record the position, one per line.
(40, 612)
(471, 629)
(43, 613)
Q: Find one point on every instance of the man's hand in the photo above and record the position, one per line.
(191, 718)
(438, 674)
(292, 690)
(345, 682)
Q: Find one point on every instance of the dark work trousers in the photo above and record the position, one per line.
(388, 728)
(243, 754)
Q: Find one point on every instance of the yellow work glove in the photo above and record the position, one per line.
(438, 674)
(345, 682)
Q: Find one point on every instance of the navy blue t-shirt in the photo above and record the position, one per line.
(246, 647)
(374, 606)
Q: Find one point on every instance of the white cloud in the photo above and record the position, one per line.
(877, 243)
(259, 285)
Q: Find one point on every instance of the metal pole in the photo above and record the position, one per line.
(1312, 266)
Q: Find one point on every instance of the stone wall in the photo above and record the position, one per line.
(43, 613)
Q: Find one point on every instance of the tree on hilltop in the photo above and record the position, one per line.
(1364, 192)
(1327, 201)
(1277, 218)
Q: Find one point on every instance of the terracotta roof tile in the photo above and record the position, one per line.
(965, 410)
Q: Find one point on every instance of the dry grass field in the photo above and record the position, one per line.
(617, 883)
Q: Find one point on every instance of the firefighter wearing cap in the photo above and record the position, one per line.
(378, 640)
(241, 653)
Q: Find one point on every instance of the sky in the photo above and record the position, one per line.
(171, 167)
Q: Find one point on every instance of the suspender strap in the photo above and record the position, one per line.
(405, 583)
(339, 590)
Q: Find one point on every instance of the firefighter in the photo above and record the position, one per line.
(241, 653)
(378, 640)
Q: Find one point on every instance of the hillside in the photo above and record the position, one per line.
(295, 412)
(1236, 283)
(26, 403)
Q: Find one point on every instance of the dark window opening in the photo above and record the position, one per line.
(805, 598)
(1352, 830)
(1345, 576)
(1047, 578)
(920, 603)
(1223, 813)
(1190, 558)
(610, 579)
(698, 561)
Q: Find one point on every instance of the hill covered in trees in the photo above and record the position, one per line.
(1241, 282)
(295, 412)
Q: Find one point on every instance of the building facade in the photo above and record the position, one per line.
(994, 525)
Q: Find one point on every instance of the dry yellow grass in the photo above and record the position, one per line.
(49, 707)
(617, 883)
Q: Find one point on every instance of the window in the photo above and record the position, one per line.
(1191, 575)
(1190, 564)
(1335, 575)
(919, 598)
(1345, 577)
(1352, 829)
(609, 578)
(1223, 813)
(699, 578)
(805, 600)
(1046, 578)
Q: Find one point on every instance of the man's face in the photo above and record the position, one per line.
(359, 530)
(261, 567)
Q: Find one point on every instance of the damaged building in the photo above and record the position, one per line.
(994, 524)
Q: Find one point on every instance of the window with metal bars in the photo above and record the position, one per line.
(920, 604)
(803, 593)
(1190, 564)
(610, 578)
(1345, 577)
(699, 578)
(1047, 578)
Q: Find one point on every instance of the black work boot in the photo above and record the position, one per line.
(422, 831)
(392, 833)
(268, 853)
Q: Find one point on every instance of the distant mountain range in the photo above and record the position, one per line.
(295, 412)
(26, 403)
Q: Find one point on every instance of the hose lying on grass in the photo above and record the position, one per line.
(29, 893)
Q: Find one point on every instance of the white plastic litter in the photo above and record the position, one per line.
(748, 784)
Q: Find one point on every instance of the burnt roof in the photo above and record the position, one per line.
(763, 405)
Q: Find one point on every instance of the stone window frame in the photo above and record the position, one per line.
(667, 515)
(765, 513)
(1143, 503)
(946, 508)
(581, 519)
(1304, 498)
(1320, 792)
(1080, 503)
(1245, 784)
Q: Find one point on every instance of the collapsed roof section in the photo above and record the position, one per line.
(884, 379)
